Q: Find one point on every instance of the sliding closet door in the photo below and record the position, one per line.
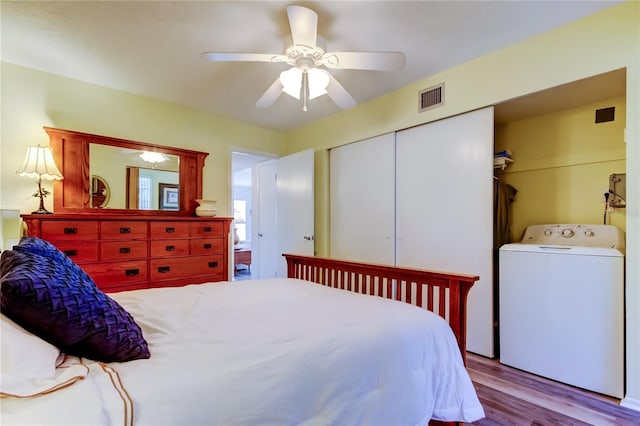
(362, 200)
(444, 208)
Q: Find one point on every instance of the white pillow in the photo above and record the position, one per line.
(28, 363)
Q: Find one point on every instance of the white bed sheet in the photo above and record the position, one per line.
(271, 352)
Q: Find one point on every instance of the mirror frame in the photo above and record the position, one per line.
(106, 188)
(71, 154)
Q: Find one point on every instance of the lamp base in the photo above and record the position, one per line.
(41, 211)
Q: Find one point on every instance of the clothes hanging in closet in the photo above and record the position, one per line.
(503, 195)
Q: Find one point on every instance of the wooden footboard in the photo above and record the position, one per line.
(440, 292)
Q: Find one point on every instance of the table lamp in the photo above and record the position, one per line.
(38, 164)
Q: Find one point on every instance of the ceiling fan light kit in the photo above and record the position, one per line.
(305, 80)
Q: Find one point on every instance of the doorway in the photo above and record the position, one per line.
(245, 264)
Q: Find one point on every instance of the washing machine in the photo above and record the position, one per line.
(561, 304)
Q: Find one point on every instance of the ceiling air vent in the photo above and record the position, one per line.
(431, 98)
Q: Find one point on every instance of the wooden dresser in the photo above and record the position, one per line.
(122, 252)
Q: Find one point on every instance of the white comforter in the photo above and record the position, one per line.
(271, 352)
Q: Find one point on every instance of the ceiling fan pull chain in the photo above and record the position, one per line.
(305, 89)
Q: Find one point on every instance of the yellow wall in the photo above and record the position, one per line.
(562, 165)
(32, 99)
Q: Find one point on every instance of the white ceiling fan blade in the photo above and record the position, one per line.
(340, 96)
(304, 25)
(270, 96)
(378, 61)
(242, 57)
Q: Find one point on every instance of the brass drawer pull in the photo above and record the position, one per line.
(132, 272)
(207, 245)
(164, 269)
(68, 231)
(207, 229)
(170, 248)
(213, 264)
(125, 230)
(72, 252)
(125, 250)
(169, 230)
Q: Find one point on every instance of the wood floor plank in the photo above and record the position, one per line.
(514, 397)
(536, 398)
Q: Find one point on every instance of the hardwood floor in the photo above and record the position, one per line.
(513, 397)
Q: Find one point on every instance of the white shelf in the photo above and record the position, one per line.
(501, 162)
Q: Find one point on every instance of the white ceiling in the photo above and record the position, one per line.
(152, 48)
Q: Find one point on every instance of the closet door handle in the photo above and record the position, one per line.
(125, 230)
(213, 264)
(169, 230)
(207, 229)
(68, 231)
(125, 250)
(207, 245)
(164, 269)
(170, 248)
(72, 252)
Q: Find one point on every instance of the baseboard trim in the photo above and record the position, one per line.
(631, 403)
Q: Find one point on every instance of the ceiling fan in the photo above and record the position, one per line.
(306, 79)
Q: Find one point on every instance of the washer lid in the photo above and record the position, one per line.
(562, 249)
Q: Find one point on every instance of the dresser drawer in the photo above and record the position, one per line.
(207, 246)
(79, 252)
(169, 229)
(206, 265)
(207, 229)
(117, 273)
(182, 267)
(69, 230)
(123, 250)
(110, 230)
(168, 248)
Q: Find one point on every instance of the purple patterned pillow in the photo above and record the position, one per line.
(45, 248)
(57, 301)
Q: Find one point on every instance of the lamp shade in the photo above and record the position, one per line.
(291, 80)
(318, 82)
(39, 164)
(238, 217)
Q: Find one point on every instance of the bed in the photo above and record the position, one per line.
(284, 351)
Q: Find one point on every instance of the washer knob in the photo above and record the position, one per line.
(588, 233)
(567, 233)
(548, 232)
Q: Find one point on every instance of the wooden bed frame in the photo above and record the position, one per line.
(443, 293)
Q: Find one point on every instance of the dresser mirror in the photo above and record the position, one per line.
(136, 176)
(104, 174)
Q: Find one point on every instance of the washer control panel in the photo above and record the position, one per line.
(574, 234)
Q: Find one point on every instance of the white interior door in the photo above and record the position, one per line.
(444, 208)
(362, 193)
(285, 211)
(265, 246)
(295, 192)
